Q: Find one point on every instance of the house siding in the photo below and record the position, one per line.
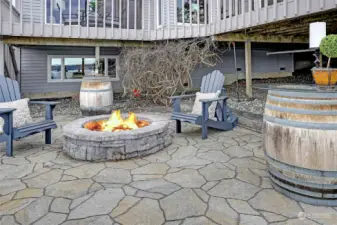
(34, 67)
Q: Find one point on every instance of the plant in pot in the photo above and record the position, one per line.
(327, 76)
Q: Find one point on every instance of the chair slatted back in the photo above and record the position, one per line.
(212, 82)
(9, 89)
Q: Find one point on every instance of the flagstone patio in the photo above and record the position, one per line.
(221, 180)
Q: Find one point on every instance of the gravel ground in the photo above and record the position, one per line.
(254, 105)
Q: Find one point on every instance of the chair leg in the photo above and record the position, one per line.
(48, 136)
(9, 146)
(178, 126)
(204, 131)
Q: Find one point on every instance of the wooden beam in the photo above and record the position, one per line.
(248, 60)
(72, 42)
(240, 37)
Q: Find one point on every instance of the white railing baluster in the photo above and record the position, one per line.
(41, 17)
(60, 21)
(96, 15)
(285, 9)
(257, 8)
(10, 16)
(120, 17)
(198, 17)
(275, 9)
(127, 18)
(143, 20)
(149, 23)
(112, 17)
(190, 5)
(175, 18)
(21, 17)
(163, 18)
(78, 18)
(243, 12)
(335, 2)
(1, 43)
(87, 12)
(156, 19)
(70, 18)
(250, 9)
(218, 16)
(206, 22)
(168, 20)
(31, 17)
(104, 18)
(224, 9)
(296, 7)
(135, 17)
(237, 14)
(183, 17)
(51, 18)
(230, 12)
(308, 6)
(266, 10)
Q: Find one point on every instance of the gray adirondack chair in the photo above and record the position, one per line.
(225, 120)
(9, 91)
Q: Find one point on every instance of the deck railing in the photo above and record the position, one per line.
(146, 19)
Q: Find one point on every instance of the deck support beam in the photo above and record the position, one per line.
(248, 60)
(97, 56)
(241, 37)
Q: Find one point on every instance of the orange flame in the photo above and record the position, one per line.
(117, 123)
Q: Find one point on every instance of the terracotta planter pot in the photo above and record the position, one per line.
(324, 77)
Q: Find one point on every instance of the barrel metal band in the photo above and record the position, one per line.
(305, 199)
(100, 90)
(310, 172)
(302, 94)
(299, 124)
(303, 101)
(302, 111)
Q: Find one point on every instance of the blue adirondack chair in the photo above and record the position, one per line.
(9, 91)
(225, 120)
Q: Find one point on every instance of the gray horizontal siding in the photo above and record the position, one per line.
(261, 64)
(34, 68)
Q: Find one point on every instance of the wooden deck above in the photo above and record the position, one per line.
(146, 20)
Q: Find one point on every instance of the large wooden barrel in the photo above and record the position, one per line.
(300, 140)
(96, 95)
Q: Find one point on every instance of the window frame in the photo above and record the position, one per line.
(62, 57)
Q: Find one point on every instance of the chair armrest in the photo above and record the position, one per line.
(213, 99)
(6, 111)
(44, 102)
(181, 96)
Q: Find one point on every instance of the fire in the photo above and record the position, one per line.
(117, 123)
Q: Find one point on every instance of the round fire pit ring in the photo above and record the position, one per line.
(83, 144)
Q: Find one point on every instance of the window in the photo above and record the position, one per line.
(185, 6)
(74, 68)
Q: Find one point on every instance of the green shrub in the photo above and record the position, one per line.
(328, 47)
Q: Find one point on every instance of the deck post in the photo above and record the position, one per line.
(2, 58)
(248, 60)
(97, 56)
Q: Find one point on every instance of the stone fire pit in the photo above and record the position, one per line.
(83, 144)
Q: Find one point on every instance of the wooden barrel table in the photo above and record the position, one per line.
(300, 140)
(96, 95)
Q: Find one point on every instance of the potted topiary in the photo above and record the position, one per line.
(327, 76)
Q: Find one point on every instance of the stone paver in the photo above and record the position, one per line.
(187, 178)
(102, 202)
(222, 180)
(181, 204)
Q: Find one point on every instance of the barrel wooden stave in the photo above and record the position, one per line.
(96, 96)
(300, 142)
